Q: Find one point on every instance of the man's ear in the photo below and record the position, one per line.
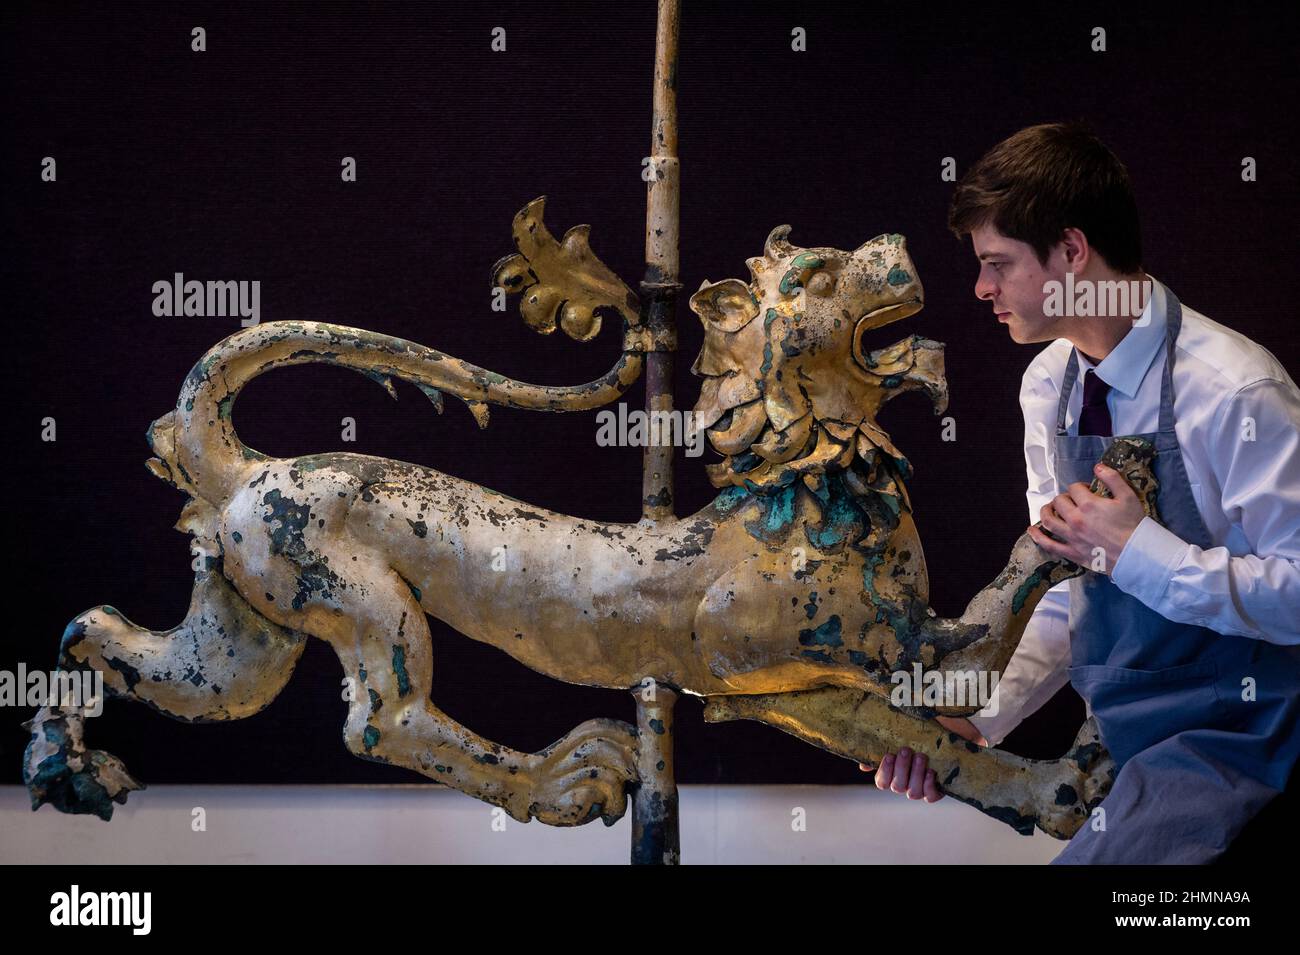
(1074, 248)
(728, 304)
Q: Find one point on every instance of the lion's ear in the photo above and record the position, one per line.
(727, 304)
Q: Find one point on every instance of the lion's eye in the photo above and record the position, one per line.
(821, 284)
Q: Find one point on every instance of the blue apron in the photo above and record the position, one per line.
(1196, 761)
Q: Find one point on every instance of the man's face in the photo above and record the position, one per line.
(1011, 280)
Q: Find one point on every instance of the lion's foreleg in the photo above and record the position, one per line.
(1054, 795)
(987, 634)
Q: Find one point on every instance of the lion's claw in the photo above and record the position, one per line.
(60, 771)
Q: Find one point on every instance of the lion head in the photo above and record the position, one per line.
(789, 390)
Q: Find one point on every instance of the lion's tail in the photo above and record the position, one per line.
(199, 451)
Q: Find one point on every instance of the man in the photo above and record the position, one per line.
(1184, 636)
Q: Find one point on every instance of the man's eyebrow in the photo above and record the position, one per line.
(991, 255)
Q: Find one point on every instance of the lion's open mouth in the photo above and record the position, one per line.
(867, 345)
(889, 314)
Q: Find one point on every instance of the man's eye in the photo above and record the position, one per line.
(997, 266)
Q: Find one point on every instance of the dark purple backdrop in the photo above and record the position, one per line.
(225, 165)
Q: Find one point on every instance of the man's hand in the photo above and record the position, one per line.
(1092, 530)
(908, 773)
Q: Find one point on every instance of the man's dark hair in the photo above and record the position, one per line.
(1045, 179)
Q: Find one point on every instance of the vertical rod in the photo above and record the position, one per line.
(659, 289)
(655, 834)
(655, 831)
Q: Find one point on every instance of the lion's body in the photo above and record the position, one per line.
(584, 601)
(798, 588)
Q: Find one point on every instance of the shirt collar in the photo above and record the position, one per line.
(1126, 365)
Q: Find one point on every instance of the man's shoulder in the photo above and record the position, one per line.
(1221, 358)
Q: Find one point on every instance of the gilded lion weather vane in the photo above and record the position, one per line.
(792, 598)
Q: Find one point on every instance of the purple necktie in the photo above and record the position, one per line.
(1094, 417)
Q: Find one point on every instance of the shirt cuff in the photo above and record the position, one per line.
(1148, 562)
(995, 726)
(990, 727)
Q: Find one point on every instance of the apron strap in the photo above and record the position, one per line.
(1173, 322)
(1067, 386)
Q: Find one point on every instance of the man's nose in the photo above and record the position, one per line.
(985, 289)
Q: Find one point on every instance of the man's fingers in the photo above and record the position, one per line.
(1078, 493)
(902, 771)
(916, 787)
(1067, 508)
(932, 791)
(885, 774)
(1052, 521)
(1055, 548)
(906, 773)
(1119, 488)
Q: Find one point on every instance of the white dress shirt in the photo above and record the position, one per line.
(1237, 418)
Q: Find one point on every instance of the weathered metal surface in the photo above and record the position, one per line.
(804, 576)
(655, 829)
(563, 283)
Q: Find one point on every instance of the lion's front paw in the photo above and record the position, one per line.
(1086, 775)
(59, 770)
(1093, 762)
(585, 775)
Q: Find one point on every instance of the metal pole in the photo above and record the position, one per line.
(660, 286)
(655, 834)
(655, 839)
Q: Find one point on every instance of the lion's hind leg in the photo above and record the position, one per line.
(388, 653)
(223, 662)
